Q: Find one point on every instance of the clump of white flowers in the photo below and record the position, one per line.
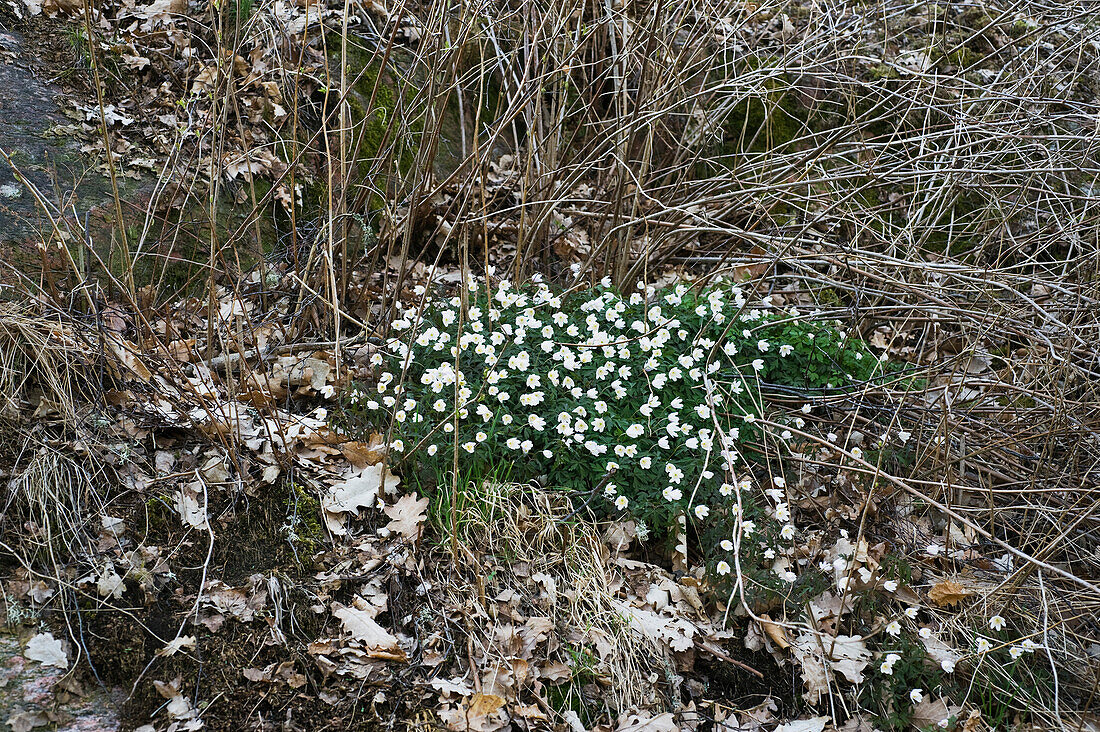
(647, 403)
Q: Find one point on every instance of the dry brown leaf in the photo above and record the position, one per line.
(126, 352)
(26, 721)
(177, 644)
(407, 516)
(480, 713)
(359, 491)
(930, 712)
(635, 723)
(848, 656)
(775, 632)
(555, 672)
(378, 641)
(948, 593)
(362, 454)
(973, 721)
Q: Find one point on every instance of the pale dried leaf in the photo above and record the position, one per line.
(26, 721)
(677, 633)
(47, 650)
(637, 723)
(930, 712)
(361, 626)
(176, 645)
(479, 713)
(813, 724)
(407, 516)
(359, 491)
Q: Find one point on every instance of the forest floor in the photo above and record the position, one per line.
(202, 271)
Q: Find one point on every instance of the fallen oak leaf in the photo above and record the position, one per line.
(813, 724)
(359, 491)
(177, 644)
(379, 642)
(948, 593)
(479, 713)
(407, 516)
(47, 650)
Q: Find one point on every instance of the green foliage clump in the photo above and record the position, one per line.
(648, 405)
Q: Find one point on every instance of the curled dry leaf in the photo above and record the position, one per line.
(775, 632)
(177, 644)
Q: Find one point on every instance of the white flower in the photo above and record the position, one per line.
(723, 568)
(621, 503)
(674, 473)
(433, 449)
(948, 665)
(672, 494)
(780, 481)
(645, 462)
(763, 345)
(526, 445)
(726, 545)
(893, 628)
(512, 443)
(787, 532)
(758, 364)
(933, 550)
(925, 633)
(916, 696)
(904, 436)
(469, 446)
(911, 612)
(537, 422)
(857, 453)
(983, 645)
(635, 431)
(786, 350)
(1030, 645)
(702, 410)
(701, 512)
(890, 585)
(1015, 652)
(997, 622)
(806, 408)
